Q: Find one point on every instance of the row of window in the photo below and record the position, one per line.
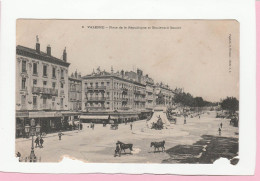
(44, 101)
(45, 70)
(43, 82)
(116, 85)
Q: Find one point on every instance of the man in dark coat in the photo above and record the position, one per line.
(41, 142)
(37, 142)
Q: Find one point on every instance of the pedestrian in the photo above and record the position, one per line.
(60, 134)
(37, 142)
(41, 142)
(18, 154)
(81, 126)
(184, 119)
(131, 126)
(221, 125)
(219, 131)
(117, 150)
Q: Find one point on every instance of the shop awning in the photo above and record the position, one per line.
(70, 113)
(94, 117)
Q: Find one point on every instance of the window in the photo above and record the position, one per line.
(53, 85)
(24, 66)
(96, 84)
(23, 98)
(23, 83)
(45, 70)
(108, 84)
(62, 74)
(34, 68)
(53, 103)
(102, 84)
(91, 84)
(53, 72)
(44, 100)
(44, 83)
(61, 85)
(61, 102)
(34, 82)
(34, 100)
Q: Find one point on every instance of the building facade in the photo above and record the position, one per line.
(41, 87)
(75, 92)
(164, 95)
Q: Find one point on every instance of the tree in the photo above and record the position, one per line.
(230, 103)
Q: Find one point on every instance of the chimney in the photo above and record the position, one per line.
(37, 45)
(64, 55)
(49, 50)
(122, 73)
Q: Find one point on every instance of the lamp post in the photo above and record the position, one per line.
(32, 130)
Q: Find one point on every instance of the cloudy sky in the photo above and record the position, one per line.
(193, 56)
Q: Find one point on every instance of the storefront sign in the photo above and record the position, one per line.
(41, 114)
(22, 114)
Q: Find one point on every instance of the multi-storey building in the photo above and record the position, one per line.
(75, 92)
(41, 87)
(113, 94)
(165, 93)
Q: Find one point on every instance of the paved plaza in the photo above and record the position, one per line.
(98, 145)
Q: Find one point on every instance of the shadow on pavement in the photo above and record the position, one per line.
(207, 150)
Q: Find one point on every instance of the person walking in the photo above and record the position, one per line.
(131, 126)
(219, 131)
(60, 134)
(185, 119)
(221, 125)
(37, 142)
(41, 142)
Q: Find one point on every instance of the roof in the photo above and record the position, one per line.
(32, 53)
(111, 76)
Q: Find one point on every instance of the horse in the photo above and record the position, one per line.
(124, 146)
(158, 145)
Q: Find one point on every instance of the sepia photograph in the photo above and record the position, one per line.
(127, 91)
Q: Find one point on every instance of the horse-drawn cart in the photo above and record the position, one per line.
(114, 126)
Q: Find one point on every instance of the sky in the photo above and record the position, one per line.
(201, 56)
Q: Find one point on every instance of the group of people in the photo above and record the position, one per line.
(39, 142)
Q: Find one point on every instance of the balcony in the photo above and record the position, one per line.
(95, 88)
(124, 99)
(24, 91)
(149, 98)
(43, 90)
(45, 106)
(124, 89)
(96, 108)
(35, 107)
(62, 92)
(96, 99)
(23, 107)
(125, 108)
(139, 99)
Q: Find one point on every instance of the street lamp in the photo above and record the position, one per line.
(32, 130)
